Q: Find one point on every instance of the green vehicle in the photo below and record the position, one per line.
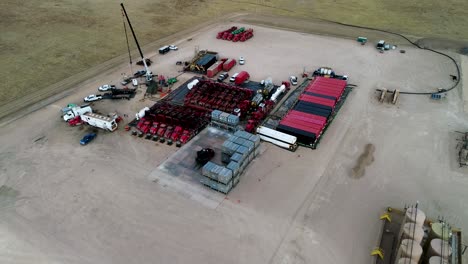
(362, 40)
(172, 81)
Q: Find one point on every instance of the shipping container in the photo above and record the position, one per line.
(234, 167)
(232, 138)
(225, 175)
(214, 69)
(215, 115)
(314, 111)
(233, 120)
(214, 172)
(225, 158)
(229, 147)
(207, 168)
(309, 127)
(237, 158)
(223, 117)
(325, 91)
(255, 139)
(331, 97)
(235, 180)
(250, 145)
(304, 137)
(308, 115)
(244, 151)
(313, 106)
(229, 64)
(240, 141)
(303, 118)
(224, 188)
(318, 100)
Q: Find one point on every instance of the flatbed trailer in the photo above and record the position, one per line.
(392, 221)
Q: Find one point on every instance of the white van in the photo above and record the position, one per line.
(233, 77)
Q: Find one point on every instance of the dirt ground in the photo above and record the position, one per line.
(108, 202)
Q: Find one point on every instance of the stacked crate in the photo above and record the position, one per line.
(236, 152)
(217, 177)
(224, 120)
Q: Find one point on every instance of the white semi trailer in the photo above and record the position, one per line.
(100, 121)
(278, 138)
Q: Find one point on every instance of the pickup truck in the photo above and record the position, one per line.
(92, 98)
(106, 87)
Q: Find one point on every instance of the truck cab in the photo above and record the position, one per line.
(76, 111)
(381, 44)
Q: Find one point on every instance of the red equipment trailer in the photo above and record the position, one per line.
(214, 69)
(242, 77)
(229, 64)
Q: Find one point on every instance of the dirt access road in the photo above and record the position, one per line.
(64, 203)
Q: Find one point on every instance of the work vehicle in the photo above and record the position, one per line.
(92, 98)
(168, 132)
(135, 82)
(242, 77)
(186, 135)
(106, 87)
(76, 111)
(87, 138)
(362, 40)
(173, 47)
(139, 73)
(204, 155)
(149, 74)
(164, 50)
(278, 138)
(141, 113)
(241, 60)
(75, 121)
(104, 122)
(191, 84)
(278, 92)
(293, 80)
(381, 45)
(148, 62)
(126, 81)
(223, 76)
(177, 133)
(233, 77)
(119, 96)
(68, 108)
(161, 130)
(154, 128)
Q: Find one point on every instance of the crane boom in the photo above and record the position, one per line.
(149, 74)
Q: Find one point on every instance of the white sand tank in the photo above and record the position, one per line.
(439, 247)
(415, 215)
(437, 260)
(406, 261)
(413, 231)
(411, 249)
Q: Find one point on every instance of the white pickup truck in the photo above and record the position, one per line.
(92, 98)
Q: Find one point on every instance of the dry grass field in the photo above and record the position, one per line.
(47, 41)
